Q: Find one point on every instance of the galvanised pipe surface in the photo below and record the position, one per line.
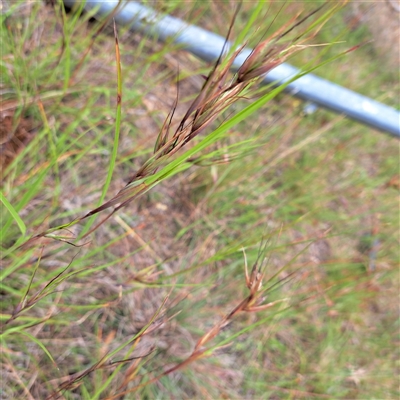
(208, 46)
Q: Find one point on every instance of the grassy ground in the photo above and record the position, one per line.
(318, 190)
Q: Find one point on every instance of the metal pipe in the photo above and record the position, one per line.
(207, 46)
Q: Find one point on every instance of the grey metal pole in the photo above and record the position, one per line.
(207, 46)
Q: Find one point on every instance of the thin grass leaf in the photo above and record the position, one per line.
(13, 213)
(126, 343)
(40, 344)
(118, 120)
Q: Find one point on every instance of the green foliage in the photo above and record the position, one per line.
(155, 302)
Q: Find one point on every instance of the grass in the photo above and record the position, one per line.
(155, 302)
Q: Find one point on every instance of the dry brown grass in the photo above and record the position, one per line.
(150, 250)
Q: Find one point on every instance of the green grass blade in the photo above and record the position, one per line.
(39, 343)
(13, 213)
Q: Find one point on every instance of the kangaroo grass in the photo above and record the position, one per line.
(252, 303)
(217, 95)
(104, 301)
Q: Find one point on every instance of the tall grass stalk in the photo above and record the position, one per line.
(154, 298)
